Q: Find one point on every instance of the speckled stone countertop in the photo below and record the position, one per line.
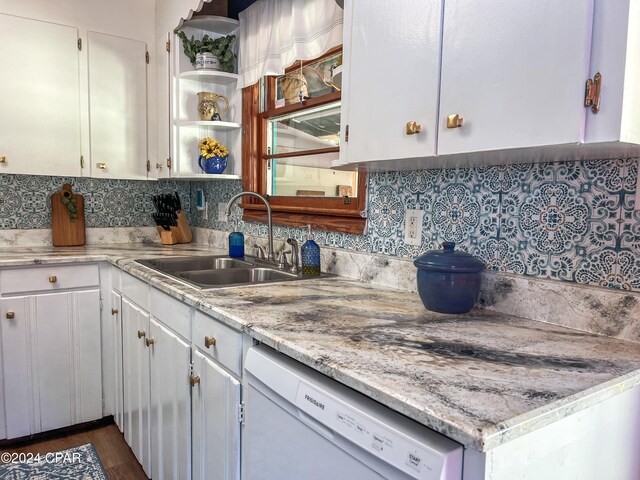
(482, 378)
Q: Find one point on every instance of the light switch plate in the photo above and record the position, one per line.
(413, 227)
(222, 216)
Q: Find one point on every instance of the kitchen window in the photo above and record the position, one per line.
(291, 136)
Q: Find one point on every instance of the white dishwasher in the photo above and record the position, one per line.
(301, 425)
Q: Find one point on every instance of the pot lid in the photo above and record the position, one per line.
(449, 260)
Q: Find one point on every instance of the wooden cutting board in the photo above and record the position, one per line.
(67, 230)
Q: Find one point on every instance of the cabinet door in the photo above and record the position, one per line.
(170, 405)
(515, 71)
(67, 358)
(40, 97)
(112, 343)
(135, 367)
(17, 365)
(51, 361)
(392, 77)
(163, 107)
(216, 426)
(117, 106)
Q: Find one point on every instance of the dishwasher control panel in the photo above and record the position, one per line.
(417, 459)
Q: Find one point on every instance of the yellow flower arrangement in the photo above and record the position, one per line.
(212, 148)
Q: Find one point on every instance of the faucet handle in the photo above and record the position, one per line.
(295, 256)
(259, 252)
(282, 260)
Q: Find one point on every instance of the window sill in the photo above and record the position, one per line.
(323, 221)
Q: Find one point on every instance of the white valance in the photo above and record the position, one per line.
(273, 34)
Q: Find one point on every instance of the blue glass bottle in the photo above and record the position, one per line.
(236, 243)
(310, 253)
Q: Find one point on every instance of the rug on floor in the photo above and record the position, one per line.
(77, 463)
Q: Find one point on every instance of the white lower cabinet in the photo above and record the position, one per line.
(135, 362)
(51, 360)
(215, 404)
(156, 371)
(170, 398)
(182, 398)
(112, 360)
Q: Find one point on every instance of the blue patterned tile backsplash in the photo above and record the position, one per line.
(571, 221)
(24, 200)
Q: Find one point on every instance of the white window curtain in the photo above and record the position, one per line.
(273, 34)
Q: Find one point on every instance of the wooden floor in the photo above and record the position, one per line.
(115, 455)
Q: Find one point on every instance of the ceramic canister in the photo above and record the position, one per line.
(207, 61)
(448, 280)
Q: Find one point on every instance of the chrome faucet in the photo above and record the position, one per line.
(270, 255)
(295, 256)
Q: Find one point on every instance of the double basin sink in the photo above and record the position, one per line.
(220, 270)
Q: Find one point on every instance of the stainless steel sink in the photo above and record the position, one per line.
(219, 271)
(235, 276)
(184, 264)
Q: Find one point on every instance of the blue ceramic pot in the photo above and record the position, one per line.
(214, 164)
(448, 280)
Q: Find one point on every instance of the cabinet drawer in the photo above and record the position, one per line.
(48, 278)
(135, 290)
(170, 312)
(228, 342)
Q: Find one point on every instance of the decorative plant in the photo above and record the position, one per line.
(220, 47)
(212, 148)
(69, 201)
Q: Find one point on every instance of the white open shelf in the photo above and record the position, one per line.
(215, 124)
(187, 130)
(221, 25)
(214, 76)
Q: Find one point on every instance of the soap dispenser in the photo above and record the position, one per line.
(236, 242)
(310, 253)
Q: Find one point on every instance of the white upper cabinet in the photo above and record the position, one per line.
(515, 72)
(162, 167)
(488, 82)
(616, 55)
(392, 57)
(117, 106)
(39, 98)
(61, 99)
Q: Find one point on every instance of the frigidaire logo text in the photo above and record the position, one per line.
(314, 401)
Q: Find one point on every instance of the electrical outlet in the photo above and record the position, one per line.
(413, 227)
(222, 216)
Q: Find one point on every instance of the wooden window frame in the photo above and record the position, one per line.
(325, 213)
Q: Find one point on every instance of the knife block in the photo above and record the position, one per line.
(178, 234)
